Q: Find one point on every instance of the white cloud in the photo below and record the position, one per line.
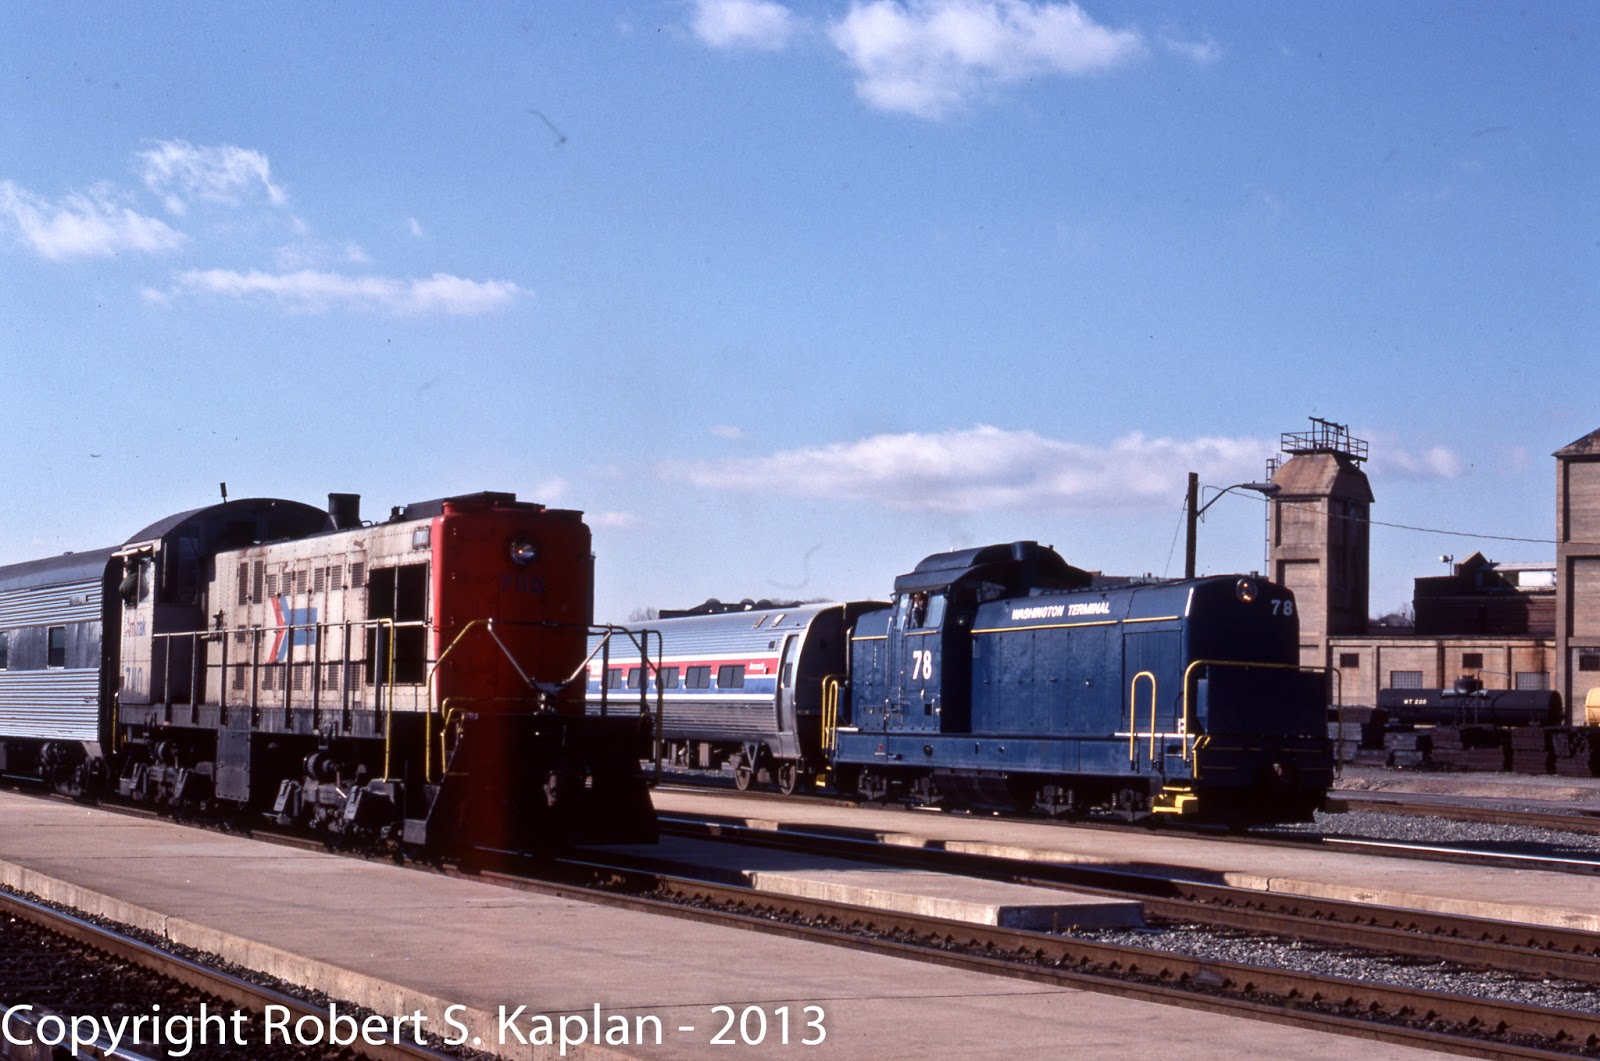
(550, 491)
(311, 291)
(93, 224)
(1201, 52)
(761, 25)
(613, 520)
(180, 173)
(925, 57)
(1435, 462)
(985, 468)
(306, 254)
(415, 227)
(1395, 458)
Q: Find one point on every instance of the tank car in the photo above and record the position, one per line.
(411, 681)
(1468, 703)
(742, 688)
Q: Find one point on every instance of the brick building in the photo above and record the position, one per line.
(1509, 625)
(1577, 634)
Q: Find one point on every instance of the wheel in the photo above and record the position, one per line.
(788, 777)
(743, 774)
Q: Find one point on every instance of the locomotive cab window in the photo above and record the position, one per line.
(400, 595)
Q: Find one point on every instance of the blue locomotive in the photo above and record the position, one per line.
(1004, 676)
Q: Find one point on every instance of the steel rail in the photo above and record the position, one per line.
(1576, 821)
(1459, 1024)
(230, 989)
(1532, 950)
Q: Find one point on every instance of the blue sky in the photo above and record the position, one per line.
(786, 297)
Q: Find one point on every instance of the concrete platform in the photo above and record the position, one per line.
(838, 880)
(401, 941)
(1519, 895)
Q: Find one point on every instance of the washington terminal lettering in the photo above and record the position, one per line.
(1057, 611)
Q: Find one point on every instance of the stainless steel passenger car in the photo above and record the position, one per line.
(743, 688)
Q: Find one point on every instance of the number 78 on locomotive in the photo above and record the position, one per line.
(1003, 676)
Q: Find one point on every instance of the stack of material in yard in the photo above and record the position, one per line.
(1575, 751)
(1481, 748)
(1408, 747)
(1531, 750)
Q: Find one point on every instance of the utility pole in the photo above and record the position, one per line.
(1193, 518)
(1194, 510)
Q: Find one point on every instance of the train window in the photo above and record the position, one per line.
(1472, 660)
(697, 678)
(731, 676)
(614, 678)
(667, 678)
(633, 677)
(935, 610)
(56, 652)
(5, 650)
(399, 594)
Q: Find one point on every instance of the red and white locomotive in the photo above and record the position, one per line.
(411, 679)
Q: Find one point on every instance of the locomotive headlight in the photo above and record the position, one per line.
(1246, 589)
(523, 552)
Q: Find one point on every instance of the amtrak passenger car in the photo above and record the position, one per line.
(1005, 675)
(741, 688)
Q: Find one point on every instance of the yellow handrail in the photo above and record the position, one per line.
(830, 713)
(1184, 730)
(1133, 715)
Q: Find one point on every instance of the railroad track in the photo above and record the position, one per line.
(1576, 821)
(72, 986)
(1463, 1024)
(1531, 856)
(1532, 950)
(1467, 1025)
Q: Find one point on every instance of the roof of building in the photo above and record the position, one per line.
(1321, 475)
(1587, 446)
